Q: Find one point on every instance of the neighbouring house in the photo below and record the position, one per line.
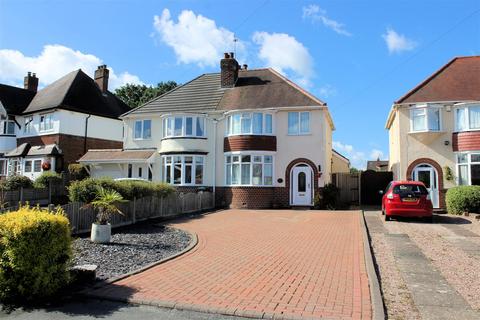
(434, 130)
(56, 125)
(13, 101)
(377, 165)
(340, 163)
(253, 137)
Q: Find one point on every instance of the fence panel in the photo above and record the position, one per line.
(348, 184)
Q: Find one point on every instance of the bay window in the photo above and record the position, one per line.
(8, 127)
(183, 169)
(46, 122)
(298, 123)
(247, 123)
(184, 126)
(467, 118)
(468, 168)
(425, 119)
(248, 169)
(143, 129)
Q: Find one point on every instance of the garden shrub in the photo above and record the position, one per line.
(48, 177)
(329, 195)
(16, 182)
(35, 253)
(463, 199)
(86, 190)
(77, 171)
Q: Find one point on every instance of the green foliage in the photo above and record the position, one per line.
(449, 176)
(77, 171)
(330, 194)
(48, 177)
(136, 94)
(106, 202)
(354, 170)
(35, 253)
(87, 190)
(16, 182)
(463, 199)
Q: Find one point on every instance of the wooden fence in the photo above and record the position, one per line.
(33, 196)
(81, 217)
(348, 185)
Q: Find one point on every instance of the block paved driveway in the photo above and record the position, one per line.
(262, 263)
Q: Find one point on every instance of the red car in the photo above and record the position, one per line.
(406, 199)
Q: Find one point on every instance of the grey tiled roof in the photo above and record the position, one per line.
(202, 94)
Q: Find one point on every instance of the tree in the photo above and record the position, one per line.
(135, 95)
(354, 170)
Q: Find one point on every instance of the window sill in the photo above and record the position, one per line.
(248, 185)
(299, 134)
(426, 131)
(250, 134)
(184, 137)
(140, 139)
(466, 130)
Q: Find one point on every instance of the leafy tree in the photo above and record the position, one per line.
(354, 170)
(137, 94)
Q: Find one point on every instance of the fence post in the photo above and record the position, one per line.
(49, 191)
(134, 209)
(21, 195)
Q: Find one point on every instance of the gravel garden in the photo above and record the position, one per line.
(130, 248)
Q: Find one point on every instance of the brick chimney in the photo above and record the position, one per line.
(229, 70)
(101, 77)
(30, 82)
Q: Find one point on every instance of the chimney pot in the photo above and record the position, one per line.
(101, 77)
(232, 55)
(245, 66)
(30, 82)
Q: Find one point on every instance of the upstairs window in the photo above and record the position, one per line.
(8, 127)
(249, 123)
(46, 122)
(184, 126)
(467, 118)
(425, 119)
(28, 125)
(143, 129)
(298, 123)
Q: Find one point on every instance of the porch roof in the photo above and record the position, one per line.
(117, 156)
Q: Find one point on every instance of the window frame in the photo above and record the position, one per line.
(229, 123)
(228, 166)
(468, 163)
(170, 119)
(42, 124)
(28, 124)
(466, 107)
(198, 160)
(299, 131)
(427, 109)
(142, 129)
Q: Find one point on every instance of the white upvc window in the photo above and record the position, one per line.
(468, 168)
(183, 169)
(298, 123)
(143, 129)
(425, 118)
(28, 128)
(7, 127)
(3, 167)
(467, 118)
(248, 169)
(249, 123)
(46, 122)
(184, 126)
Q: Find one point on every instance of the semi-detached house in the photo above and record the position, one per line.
(253, 137)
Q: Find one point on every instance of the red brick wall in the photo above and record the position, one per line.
(71, 146)
(466, 141)
(239, 143)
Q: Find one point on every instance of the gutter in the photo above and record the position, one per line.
(86, 132)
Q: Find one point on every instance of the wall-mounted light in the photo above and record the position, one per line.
(319, 168)
(446, 142)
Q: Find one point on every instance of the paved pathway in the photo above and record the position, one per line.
(282, 264)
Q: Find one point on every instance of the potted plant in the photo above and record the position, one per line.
(106, 202)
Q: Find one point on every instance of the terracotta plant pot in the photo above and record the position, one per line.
(101, 233)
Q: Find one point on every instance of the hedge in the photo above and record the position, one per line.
(86, 190)
(35, 253)
(77, 171)
(16, 182)
(47, 177)
(463, 199)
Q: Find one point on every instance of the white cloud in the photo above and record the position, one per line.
(285, 53)
(195, 38)
(54, 62)
(358, 159)
(396, 43)
(327, 91)
(315, 13)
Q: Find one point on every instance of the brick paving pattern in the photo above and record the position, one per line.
(265, 263)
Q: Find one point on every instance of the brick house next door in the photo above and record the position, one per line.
(301, 188)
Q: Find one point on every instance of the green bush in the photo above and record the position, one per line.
(48, 177)
(16, 182)
(77, 171)
(329, 196)
(35, 253)
(463, 199)
(86, 190)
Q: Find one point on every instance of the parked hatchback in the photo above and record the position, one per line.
(406, 199)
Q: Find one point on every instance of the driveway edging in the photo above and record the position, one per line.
(378, 309)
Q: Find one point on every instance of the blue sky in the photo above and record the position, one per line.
(358, 56)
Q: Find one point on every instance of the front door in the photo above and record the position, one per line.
(301, 186)
(428, 175)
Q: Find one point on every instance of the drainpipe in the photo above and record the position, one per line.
(215, 122)
(86, 131)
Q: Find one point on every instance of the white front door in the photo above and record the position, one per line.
(301, 190)
(428, 175)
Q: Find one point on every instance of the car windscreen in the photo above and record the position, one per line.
(409, 188)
